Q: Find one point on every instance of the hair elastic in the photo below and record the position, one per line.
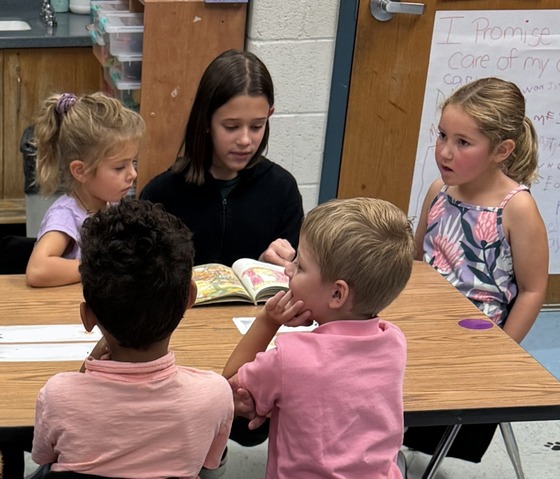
(64, 103)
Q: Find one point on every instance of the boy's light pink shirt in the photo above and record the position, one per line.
(141, 420)
(336, 400)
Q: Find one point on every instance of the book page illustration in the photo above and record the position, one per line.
(261, 278)
(257, 276)
(216, 281)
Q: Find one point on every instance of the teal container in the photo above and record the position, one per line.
(60, 6)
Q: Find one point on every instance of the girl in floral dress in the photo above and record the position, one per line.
(480, 228)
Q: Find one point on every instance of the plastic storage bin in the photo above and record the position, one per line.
(101, 52)
(121, 67)
(107, 6)
(100, 7)
(97, 30)
(128, 92)
(126, 68)
(123, 32)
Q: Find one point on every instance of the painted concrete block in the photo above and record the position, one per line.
(292, 19)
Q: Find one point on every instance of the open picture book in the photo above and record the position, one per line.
(247, 280)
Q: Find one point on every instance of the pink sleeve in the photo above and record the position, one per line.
(218, 446)
(42, 452)
(263, 379)
(219, 443)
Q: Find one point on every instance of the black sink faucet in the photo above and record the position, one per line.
(47, 14)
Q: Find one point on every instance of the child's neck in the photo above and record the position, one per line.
(343, 316)
(129, 355)
(488, 191)
(89, 203)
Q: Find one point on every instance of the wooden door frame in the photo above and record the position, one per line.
(338, 99)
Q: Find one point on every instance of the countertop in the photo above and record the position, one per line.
(69, 32)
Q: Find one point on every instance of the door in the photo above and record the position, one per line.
(387, 85)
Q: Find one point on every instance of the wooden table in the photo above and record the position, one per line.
(460, 376)
(453, 376)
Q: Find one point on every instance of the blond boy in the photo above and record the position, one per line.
(335, 394)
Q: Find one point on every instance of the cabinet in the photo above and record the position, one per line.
(180, 39)
(27, 77)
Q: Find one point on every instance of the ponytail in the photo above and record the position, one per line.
(521, 166)
(47, 130)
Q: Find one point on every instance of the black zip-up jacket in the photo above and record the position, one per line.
(265, 205)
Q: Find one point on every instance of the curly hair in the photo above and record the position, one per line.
(136, 268)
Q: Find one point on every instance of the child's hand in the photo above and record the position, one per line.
(244, 404)
(99, 351)
(282, 309)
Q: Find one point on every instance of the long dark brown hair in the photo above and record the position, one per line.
(230, 74)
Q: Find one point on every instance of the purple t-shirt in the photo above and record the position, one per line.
(66, 216)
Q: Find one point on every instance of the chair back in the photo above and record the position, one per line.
(14, 253)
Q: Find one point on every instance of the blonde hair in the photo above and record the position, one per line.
(498, 107)
(366, 242)
(89, 128)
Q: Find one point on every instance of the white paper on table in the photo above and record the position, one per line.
(244, 323)
(75, 351)
(48, 333)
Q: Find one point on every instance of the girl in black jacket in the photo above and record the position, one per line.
(237, 203)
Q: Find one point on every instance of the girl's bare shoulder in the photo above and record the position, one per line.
(522, 211)
(434, 189)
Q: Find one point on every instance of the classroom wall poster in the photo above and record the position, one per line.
(522, 46)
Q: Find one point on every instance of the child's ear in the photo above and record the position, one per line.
(271, 111)
(340, 294)
(192, 294)
(503, 150)
(78, 170)
(89, 320)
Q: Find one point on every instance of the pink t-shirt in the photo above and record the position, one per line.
(336, 400)
(141, 420)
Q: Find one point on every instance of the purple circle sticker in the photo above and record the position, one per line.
(474, 323)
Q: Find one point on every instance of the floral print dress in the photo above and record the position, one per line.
(466, 245)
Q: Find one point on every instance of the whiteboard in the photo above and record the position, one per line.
(522, 46)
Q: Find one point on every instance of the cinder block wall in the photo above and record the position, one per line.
(295, 39)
